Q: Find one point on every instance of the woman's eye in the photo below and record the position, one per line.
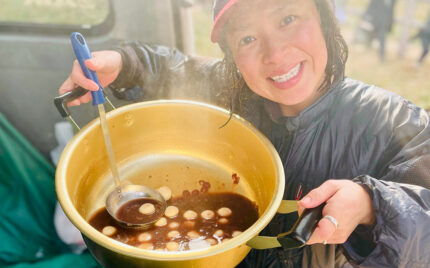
(287, 20)
(246, 40)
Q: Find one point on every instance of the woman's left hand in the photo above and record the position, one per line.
(347, 202)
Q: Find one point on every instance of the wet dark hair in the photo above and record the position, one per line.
(337, 55)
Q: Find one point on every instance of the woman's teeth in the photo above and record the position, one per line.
(285, 77)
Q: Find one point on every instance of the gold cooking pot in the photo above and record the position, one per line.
(175, 143)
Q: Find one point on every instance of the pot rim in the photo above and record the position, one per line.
(86, 229)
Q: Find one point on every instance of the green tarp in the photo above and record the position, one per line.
(27, 233)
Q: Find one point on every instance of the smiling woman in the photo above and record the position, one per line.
(62, 12)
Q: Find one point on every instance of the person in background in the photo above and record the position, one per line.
(361, 150)
(377, 22)
(424, 35)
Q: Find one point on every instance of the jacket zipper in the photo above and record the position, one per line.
(299, 192)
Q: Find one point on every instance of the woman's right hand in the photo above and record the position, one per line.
(107, 64)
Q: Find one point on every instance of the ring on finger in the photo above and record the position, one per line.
(325, 242)
(332, 220)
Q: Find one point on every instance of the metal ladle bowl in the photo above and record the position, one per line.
(126, 193)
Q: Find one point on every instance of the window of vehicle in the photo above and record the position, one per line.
(57, 12)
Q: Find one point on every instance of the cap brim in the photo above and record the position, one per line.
(220, 19)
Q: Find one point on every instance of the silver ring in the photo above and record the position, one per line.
(332, 219)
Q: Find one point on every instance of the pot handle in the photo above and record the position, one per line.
(82, 53)
(296, 237)
(61, 101)
(288, 206)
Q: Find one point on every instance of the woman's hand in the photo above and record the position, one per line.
(107, 64)
(347, 202)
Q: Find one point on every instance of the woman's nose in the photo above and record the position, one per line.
(273, 51)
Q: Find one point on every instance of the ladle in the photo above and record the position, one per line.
(123, 195)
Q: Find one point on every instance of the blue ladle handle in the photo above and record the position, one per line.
(82, 53)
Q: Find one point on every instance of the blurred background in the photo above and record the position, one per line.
(36, 52)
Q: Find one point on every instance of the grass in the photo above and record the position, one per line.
(397, 75)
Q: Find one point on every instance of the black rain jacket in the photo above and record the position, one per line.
(354, 131)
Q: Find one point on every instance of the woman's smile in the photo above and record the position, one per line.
(289, 79)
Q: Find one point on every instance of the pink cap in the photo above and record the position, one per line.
(220, 17)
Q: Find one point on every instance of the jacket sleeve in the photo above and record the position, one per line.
(400, 195)
(165, 73)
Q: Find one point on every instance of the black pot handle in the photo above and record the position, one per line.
(299, 233)
(61, 102)
(302, 229)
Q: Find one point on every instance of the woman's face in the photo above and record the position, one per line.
(280, 50)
